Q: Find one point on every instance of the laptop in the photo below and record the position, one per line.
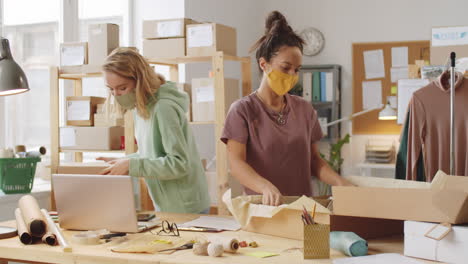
(92, 202)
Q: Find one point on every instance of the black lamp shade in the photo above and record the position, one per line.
(12, 77)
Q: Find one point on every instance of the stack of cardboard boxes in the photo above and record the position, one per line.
(88, 57)
(86, 132)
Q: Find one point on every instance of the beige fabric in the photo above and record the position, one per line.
(429, 128)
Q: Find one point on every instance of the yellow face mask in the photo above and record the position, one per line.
(280, 82)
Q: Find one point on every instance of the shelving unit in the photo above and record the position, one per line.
(217, 61)
(331, 110)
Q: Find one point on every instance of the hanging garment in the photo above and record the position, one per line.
(429, 128)
(402, 158)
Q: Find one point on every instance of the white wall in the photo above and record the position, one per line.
(345, 22)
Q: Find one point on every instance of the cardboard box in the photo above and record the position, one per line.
(82, 168)
(286, 222)
(100, 120)
(203, 98)
(443, 200)
(164, 48)
(80, 110)
(102, 40)
(206, 39)
(450, 249)
(167, 28)
(73, 53)
(91, 138)
(447, 39)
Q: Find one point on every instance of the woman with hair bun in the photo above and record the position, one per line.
(272, 136)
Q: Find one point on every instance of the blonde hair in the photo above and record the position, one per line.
(128, 63)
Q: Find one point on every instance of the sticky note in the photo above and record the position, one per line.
(261, 254)
(393, 90)
(160, 241)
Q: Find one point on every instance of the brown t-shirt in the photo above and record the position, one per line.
(279, 153)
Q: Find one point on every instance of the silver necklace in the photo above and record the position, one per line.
(280, 119)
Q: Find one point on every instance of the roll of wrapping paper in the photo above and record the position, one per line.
(348, 243)
(56, 231)
(23, 233)
(50, 239)
(34, 219)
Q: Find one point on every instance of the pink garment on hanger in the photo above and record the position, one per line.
(429, 128)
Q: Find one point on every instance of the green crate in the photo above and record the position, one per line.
(17, 174)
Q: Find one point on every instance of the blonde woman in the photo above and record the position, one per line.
(167, 156)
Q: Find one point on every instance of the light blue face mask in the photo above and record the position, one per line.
(127, 101)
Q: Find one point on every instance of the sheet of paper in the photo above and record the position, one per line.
(67, 137)
(78, 110)
(205, 94)
(449, 36)
(406, 88)
(261, 254)
(200, 36)
(213, 222)
(167, 29)
(72, 55)
(398, 74)
(378, 259)
(374, 64)
(400, 57)
(371, 94)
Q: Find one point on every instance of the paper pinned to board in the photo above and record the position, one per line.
(166, 29)
(398, 73)
(406, 88)
(213, 222)
(78, 110)
(200, 36)
(374, 64)
(371, 94)
(389, 258)
(243, 208)
(400, 57)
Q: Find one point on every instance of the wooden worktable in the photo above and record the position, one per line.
(12, 250)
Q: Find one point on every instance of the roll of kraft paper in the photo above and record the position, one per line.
(34, 219)
(23, 233)
(348, 243)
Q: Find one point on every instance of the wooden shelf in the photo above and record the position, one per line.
(90, 150)
(366, 165)
(193, 59)
(79, 76)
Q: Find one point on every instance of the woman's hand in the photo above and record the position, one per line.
(271, 195)
(107, 159)
(119, 167)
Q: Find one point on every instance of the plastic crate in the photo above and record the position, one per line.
(17, 174)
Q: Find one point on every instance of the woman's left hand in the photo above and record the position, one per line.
(120, 167)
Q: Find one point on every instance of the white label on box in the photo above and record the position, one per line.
(450, 36)
(168, 29)
(72, 55)
(78, 110)
(205, 94)
(323, 125)
(200, 36)
(96, 30)
(67, 137)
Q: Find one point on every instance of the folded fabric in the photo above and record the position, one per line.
(348, 243)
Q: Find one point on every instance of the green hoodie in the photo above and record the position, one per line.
(167, 155)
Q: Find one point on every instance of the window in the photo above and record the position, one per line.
(33, 37)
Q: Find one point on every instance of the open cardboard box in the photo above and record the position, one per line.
(285, 220)
(443, 200)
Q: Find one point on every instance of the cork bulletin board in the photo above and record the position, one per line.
(369, 123)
